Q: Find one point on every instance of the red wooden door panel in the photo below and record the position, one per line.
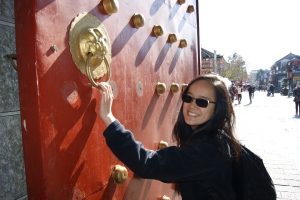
(64, 151)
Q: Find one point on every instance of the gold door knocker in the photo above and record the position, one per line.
(90, 47)
(88, 70)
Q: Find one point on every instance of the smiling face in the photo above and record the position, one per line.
(194, 115)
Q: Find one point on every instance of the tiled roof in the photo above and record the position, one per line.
(205, 54)
(290, 56)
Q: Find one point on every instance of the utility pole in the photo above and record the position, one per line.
(215, 62)
(290, 78)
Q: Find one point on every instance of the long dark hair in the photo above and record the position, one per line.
(223, 120)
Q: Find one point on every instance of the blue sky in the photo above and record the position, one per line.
(261, 31)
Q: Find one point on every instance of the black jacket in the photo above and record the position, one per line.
(250, 89)
(296, 92)
(203, 161)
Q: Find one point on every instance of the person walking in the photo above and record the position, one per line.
(250, 90)
(232, 91)
(200, 157)
(239, 89)
(296, 94)
(272, 88)
(268, 89)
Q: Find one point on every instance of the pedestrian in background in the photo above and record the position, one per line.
(272, 89)
(232, 91)
(202, 154)
(268, 89)
(250, 90)
(239, 89)
(296, 93)
(236, 93)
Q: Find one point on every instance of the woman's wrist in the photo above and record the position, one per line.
(108, 119)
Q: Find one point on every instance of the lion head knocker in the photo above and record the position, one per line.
(93, 41)
(90, 46)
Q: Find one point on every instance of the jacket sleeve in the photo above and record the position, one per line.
(196, 162)
(296, 92)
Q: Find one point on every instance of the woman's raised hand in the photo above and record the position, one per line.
(106, 103)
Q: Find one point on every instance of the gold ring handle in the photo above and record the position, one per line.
(88, 70)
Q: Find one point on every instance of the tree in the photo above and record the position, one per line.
(260, 76)
(285, 83)
(236, 69)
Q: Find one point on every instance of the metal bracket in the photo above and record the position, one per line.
(12, 57)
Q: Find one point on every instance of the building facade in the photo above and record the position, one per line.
(211, 62)
(286, 67)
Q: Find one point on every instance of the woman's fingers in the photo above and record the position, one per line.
(105, 89)
(106, 97)
(106, 103)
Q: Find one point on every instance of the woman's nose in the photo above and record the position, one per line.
(193, 104)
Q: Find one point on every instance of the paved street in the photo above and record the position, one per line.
(270, 128)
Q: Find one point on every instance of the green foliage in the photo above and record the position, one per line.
(236, 68)
(260, 76)
(285, 83)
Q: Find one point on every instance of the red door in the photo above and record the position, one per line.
(64, 151)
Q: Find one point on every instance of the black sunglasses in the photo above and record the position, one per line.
(203, 103)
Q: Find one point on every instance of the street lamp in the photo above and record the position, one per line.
(290, 77)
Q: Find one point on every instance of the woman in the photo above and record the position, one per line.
(202, 158)
(240, 90)
(296, 93)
